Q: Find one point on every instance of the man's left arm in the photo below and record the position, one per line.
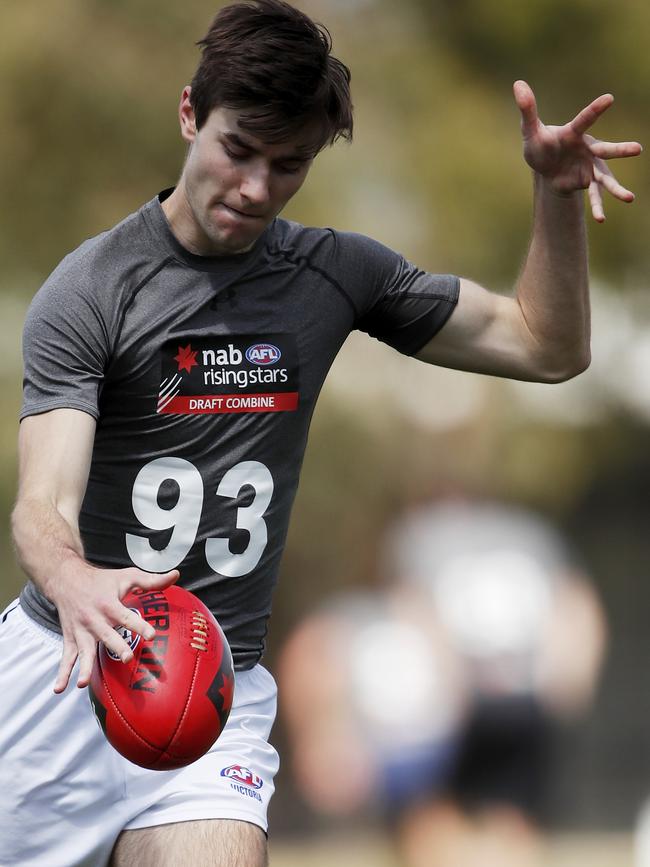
(543, 332)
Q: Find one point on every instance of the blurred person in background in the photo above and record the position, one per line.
(529, 631)
(379, 722)
(172, 365)
(436, 699)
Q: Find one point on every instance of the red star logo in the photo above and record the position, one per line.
(186, 358)
(227, 690)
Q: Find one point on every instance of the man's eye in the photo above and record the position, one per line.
(291, 169)
(235, 155)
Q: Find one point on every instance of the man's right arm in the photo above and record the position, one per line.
(54, 451)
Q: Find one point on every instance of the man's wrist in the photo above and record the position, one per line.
(545, 185)
(68, 564)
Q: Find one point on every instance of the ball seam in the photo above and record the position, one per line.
(187, 703)
(123, 718)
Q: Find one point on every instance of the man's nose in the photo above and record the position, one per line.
(254, 186)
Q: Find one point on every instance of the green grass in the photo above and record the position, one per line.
(566, 850)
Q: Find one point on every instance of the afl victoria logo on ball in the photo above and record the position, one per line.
(131, 638)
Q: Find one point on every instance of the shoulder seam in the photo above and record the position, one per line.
(295, 259)
(432, 296)
(146, 279)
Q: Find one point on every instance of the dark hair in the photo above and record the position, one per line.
(272, 62)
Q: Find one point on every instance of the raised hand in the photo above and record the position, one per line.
(567, 156)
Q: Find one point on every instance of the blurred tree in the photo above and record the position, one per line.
(89, 92)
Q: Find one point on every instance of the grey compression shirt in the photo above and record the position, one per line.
(202, 374)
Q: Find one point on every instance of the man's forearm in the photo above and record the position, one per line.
(45, 543)
(553, 288)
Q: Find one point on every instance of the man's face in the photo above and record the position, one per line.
(233, 183)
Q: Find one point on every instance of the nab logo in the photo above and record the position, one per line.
(132, 639)
(263, 353)
(243, 775)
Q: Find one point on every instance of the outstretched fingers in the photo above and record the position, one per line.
(120, 616)
(567, 156)
(589, 115)
(110, 637)
(611, 150)
(132, 621)
(96, 613)
(596, 202)
(87, 653)
(603, 177)
(68, 659)
(606, 179)
(525, 99)
(79, 646)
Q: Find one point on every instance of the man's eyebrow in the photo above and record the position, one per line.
(240, 142)
(302, 154)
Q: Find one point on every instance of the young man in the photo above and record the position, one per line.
(171, 369)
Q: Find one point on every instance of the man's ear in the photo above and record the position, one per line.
(186, 116)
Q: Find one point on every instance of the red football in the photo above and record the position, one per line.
(166, 707)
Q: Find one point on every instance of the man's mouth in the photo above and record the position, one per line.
(244, 215)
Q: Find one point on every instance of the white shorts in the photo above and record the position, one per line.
(66, 794)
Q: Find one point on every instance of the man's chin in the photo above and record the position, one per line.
(231, 243)
(234, 248)
(229, 236)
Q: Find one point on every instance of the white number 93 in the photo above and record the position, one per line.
(183, 518)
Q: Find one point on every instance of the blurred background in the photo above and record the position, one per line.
(89, 90)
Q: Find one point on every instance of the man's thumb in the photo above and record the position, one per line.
(157, 580)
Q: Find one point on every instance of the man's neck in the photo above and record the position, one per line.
(183, 223)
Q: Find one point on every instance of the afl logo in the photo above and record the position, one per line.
(131, 639)
(243, 775)
(263, 353)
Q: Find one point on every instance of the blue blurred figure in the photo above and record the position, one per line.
(441, 691)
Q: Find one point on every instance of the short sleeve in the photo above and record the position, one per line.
(65, 348)
(396, 302)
